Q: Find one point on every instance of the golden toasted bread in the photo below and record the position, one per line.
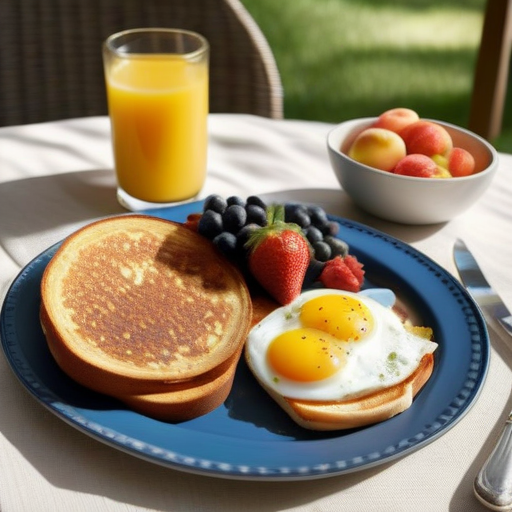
(363, 408)
(361, 411)
(262, 306)
(136, 306)
(187, 400)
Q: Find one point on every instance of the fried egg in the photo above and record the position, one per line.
(332, 345)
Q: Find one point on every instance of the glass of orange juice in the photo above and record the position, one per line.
(157, 91)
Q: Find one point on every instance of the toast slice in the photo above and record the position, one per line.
(361, 411)
(187, 400)
(362, 407)
(136, 305)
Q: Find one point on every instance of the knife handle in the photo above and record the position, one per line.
(493, 484)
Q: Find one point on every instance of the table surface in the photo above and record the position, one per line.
(56, 177)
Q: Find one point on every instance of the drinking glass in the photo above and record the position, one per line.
(157, 91)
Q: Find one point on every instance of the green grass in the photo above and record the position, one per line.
(341, 59)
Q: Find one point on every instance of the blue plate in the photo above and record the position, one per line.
(249, 436)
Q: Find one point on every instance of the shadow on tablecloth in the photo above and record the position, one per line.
(37, 212)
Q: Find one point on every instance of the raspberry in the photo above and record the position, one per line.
(336, 274)
(192, 221)
(355, 267)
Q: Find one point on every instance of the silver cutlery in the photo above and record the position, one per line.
(493, 483)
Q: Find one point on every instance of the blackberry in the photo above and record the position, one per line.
(234, 218)
(216, 203)
(210, 224)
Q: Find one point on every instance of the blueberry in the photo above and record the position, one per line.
(324, 227)
(216, 203)
(257, 201)
(234, 218)
(334, 228)
(328, 228)
(322, 251)
(313, 234)
(256, 214)
(317, 215)
(338, 247)
(302, 219)
(297, 213)
(244, 234)
(313, 272)
(226, 243)
(291, 208)
(210, 224)
(232, 200)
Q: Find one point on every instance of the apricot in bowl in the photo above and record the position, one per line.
(411, 199)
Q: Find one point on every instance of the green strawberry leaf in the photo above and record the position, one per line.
(275, 225)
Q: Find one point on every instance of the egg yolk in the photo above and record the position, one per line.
(306, 355)
(341, 316)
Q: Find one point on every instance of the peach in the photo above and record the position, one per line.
(442, 166)
(440, 160)
(417, 165)
(460, 162)
(396, 119)
(426, 138)
(379, 148)
(442, 172)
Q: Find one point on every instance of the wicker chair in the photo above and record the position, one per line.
(492, 70)
(50, 55)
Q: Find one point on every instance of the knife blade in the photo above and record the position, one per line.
(479, 288)
(493, 483)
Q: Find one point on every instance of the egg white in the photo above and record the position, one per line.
(385, 357)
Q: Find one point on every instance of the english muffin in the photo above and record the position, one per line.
(135, 306)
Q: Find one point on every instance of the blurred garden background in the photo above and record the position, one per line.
(341, 59)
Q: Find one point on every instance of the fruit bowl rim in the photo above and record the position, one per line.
(491, 167)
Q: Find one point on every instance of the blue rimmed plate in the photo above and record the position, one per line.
(249, 436)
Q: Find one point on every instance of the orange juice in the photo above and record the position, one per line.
(158, 106)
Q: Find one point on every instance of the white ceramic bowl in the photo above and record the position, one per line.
(407, 199)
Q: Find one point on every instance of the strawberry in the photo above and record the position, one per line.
(343, 274)
(279, 256)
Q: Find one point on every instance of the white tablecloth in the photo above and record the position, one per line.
(55, 177)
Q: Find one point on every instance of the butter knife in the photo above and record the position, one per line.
(493, 483)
